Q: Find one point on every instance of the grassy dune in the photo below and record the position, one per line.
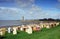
(53, 33)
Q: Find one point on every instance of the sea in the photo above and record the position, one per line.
(15, 22)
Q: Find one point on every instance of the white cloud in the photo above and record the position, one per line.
(34, 12)
(10, 10)
(8, 13)
(34, 9)
(25, 3)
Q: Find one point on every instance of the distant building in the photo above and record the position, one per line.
(23, 18)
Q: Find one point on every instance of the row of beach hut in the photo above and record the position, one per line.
(28, 28)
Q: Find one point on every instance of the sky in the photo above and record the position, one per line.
(30, 9)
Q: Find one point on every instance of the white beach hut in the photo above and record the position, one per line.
(22, 28)
(14, 30)
(29, 30)
(9, 29)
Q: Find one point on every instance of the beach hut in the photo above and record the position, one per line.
(14, 30)
(44, 25)
(52, 25)
(25, 28)
(29, 30)
(9, 29)
(57, 23)
(41, 25)
(2, 31)
(48, 27)
(22, 28)
(18, 27)
(38, 27)
(34, 28)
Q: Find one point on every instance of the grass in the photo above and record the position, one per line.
(53, 33)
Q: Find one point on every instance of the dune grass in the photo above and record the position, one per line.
(53, 33)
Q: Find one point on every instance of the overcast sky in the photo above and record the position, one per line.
(30, 9)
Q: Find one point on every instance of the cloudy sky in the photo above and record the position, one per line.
(30, 9)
